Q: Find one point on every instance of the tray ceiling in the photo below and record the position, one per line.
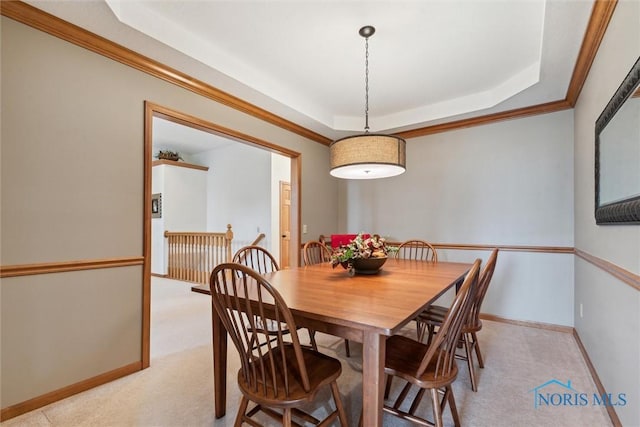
(430, 61)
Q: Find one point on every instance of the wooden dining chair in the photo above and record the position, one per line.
(281, 376)
(430, 367)
(421, 251)
(418, 250)
(261, 260)
(257, 258)
(315, 252)
(433, 317)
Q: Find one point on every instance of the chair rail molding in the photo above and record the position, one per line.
(58, 267)
(616, 271)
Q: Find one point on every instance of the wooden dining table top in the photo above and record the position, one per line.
(382, 302)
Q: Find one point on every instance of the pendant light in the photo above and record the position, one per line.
(367, 155)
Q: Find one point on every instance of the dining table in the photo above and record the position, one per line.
(364, 308)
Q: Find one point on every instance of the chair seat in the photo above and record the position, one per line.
(269, 326)
(322, 370)
(403, 358)
(434, 315)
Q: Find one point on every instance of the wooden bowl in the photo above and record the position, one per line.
(368, 265)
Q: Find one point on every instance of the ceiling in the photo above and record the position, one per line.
(183, 139)
(429, 61)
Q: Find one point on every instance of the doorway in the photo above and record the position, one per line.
(285, 224)
(155, 111)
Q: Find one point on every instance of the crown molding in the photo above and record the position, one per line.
(43, 21)
(601, 14)
(549, 107)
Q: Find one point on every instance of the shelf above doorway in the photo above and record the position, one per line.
(179, 164)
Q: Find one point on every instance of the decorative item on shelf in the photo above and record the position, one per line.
(168, 155)
(362, 255)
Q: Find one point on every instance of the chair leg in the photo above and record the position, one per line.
(387, 387)
(346, 348)
(416, 401)
(312, 339)
(452, 405)
(286, 418)
(338, 401)
(437, 409)
(472, 370)
(477, 345)
(241, 411)
(431, 332)
(402, 396)
(420, 327)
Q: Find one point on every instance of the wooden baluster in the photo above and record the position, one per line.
(193, 262)
(192, 254)
(202, 257)
(187, 256)
(204, 253)
(183, 254)
(179, 260)
(169, 254)
(202, 261)
(211, 259)
(197, 254)
(173, 257)
(177, 257)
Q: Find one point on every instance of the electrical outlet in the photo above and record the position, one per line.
(304, 229)
(581, 310)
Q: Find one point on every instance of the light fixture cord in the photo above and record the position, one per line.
(366, 85)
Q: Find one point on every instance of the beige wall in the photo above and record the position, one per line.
(505, 183)
(72, 189)
(610, 325)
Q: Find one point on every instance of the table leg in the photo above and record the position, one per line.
(219, 364)
(373, 349)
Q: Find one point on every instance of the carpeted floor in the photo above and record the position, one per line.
(177, 389)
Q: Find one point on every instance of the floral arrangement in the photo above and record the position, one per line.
(360, 247)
